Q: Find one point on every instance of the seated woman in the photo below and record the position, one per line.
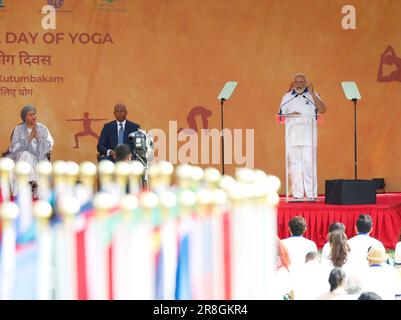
(31, 141)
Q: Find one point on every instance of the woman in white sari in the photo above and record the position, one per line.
(31, 141)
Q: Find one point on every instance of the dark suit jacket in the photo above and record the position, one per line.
(108, 139)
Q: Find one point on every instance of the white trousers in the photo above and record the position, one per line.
(302, 170)
(33, 161)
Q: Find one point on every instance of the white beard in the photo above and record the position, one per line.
(299, 91)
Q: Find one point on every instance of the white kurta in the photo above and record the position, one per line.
(301, 143)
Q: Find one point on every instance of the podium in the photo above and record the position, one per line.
(300, 156)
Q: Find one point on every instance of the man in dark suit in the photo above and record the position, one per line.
(115, 133)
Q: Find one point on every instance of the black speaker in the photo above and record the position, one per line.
(350, 191)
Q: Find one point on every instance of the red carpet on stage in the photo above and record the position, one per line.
(386, 216)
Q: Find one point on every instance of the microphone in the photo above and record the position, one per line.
(303, 96)
(280, 111)
(316, 109)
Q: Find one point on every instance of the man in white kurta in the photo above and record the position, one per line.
(301, 106)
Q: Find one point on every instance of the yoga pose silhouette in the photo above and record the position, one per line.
(87, 128)
(389, 58)
(191, 119)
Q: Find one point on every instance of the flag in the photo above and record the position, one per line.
(239, 256)
(169, 254)
(64, 239)
(96, 258)
(218, 277)
(183, 290)
(207, 253)
(122, 259)
(25, 223)
(7, 261)
(26, 270)
(45, 267)
(85, 212)
(196, 258)
(227, 254)
(144, 249)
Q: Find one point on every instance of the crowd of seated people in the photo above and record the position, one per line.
(347, 269)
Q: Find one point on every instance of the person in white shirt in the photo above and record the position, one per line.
(380, 278)
(282, 282)
(310, 281)
(298, 246)
(353, 283)
(340, 255)
(326, 248)
(361, 243)
(301, 106)
(397, 265)
(397, 256)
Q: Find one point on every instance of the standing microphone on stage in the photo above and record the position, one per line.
(316, 109)
(303, 96)
(280, 113)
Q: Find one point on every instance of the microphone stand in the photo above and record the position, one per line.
(280, 112)
(355, 141)
(222, 135)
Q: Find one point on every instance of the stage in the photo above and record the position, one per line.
(386, 216)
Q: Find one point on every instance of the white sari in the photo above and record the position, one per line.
(30, 151)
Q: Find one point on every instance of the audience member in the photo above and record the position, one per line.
(397, 265)
(326, 248)
(310, 280)
(339, 249)
(337, 285)
(298, 246)
(123, 153)
(369, 296)
(353, 283)
(381, 278)
(361, 243)
(282, 282)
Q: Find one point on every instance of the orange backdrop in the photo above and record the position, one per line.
(169, 56)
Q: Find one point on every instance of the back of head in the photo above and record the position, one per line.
(336, 278)
(364, 223)
(122, 152)
(311, 256)
(339, 248)
(337, 226)
(369, 296)
(297, 225)
(353, 282)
